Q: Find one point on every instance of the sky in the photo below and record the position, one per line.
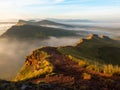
(62, 9)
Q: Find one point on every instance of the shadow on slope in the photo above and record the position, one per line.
(49, 68)
(26, 32)
(95, 48)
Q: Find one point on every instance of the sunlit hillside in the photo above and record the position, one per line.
(47, 65)
(59, 44)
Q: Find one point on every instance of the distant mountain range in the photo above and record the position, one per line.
(32, 29)
(41, 23)
(70, 20)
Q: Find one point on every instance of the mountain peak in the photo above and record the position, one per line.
(95, 36)
(91, 36)
(41, 23)
(21, 22)
(45, 20)
(48, 22)
(104, 37)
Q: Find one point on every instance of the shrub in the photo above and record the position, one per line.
(39, 66)
(86, 76)
(110, 69)
(83, 63)
(93, 67)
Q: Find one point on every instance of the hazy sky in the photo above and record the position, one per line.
(82, 9)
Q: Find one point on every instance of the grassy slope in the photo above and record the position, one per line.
(29, 31)
(96, 49)
(48, 22)
(67, 71)
(74, 66)
(35, 68)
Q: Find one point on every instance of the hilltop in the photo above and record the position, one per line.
(24, 30)
(91, 64)
(95, 48)
(48, 23)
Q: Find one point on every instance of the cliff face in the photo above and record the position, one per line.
(41, 63)
(67, 67)
(36, 64)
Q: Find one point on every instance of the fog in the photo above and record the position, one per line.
(13, 53)
(109, 29)
(108, 24)
(4, 27)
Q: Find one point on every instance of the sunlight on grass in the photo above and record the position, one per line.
(31, 70)
(96, 66)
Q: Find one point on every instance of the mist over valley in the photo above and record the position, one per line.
(14, 51)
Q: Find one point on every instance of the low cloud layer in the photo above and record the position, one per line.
(13, 53)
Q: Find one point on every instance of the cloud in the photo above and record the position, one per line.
(16, 8)
(113, 0)
(21, 3)
(59, 1)
(13, 53)
(59, 9)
